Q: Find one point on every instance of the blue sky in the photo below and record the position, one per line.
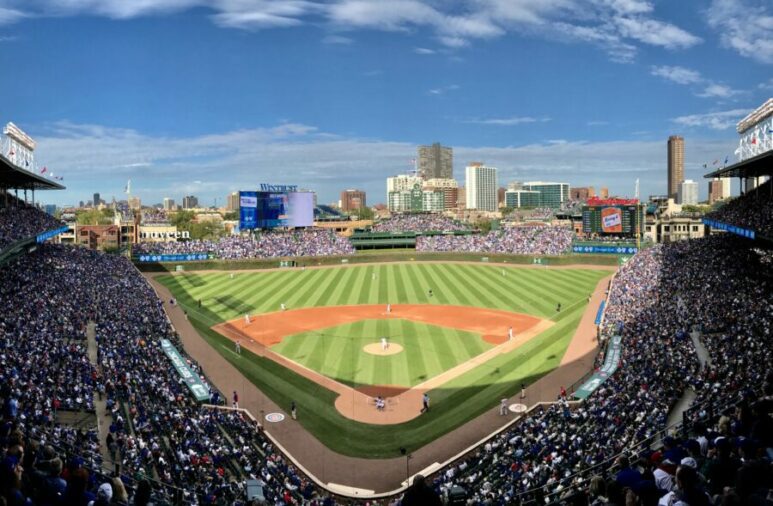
(208, 97)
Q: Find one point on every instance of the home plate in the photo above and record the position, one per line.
(517, 408)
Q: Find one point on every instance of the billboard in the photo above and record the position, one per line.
(272, 209)
(611, 220)
(248, 212)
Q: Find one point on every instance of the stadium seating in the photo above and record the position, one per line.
(525, 240)
(419, 223)
(170, 447)
(299, 243)
(21, 221)
(752, 211)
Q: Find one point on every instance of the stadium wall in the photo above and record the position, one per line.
(402, 256)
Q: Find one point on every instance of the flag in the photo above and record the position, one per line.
(754, 140)
(716, 161)
(43, 171)
(705, 165)
(412, 161)
(726, 158)
(11, 153)
(128, 188)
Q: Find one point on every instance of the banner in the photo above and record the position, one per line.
(51, 233)
(611, 361)
(743, 232)
(612, 220)
(248, 210)
(184, 257)
(611, 250)
(600, 312)
(193, 380)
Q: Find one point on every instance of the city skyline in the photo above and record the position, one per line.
(206, 101)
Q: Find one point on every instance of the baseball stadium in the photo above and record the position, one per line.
(504, 338)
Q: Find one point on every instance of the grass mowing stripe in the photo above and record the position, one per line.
(366, 282)
(341, 292)
(506, 291)
(482, 298)
(450, 291)
(301, 296)
(529, 292)
(285, 287)
(402, 296)
(322, 298)
(346, 367)
(323, 287)
(440, 343)
(383, 293)
(411, 290)
(473, 347)
(391, 288)
(424, 277)
(555, 282)
(415, 361)
(358, 288)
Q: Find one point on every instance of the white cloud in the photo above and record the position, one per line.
(443, 89)
(718, 91)
(8, 16)
(656, 33)
(678, 75)
(169, 166)
(513, 120)
(745, 26)
(614, 25)
(337, 39)
(714, 120)
(682, 75)
(423, 50)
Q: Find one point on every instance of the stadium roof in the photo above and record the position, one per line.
(760, 165)
(14, 177)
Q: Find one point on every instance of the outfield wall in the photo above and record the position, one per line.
(401, 256)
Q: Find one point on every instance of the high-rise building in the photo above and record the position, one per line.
(232, 201)
(406, 199)
(134, 203)
(688, 192)
(190, 202)
(435, 161)
(552, 195)
(501, 196)
(522, 198)
(604, 192)
(96, 200)
(352, 200)
(168, 204)
(582, 193)
(726, 187)
(450, 189)
(481, 187)
(403, 182)
(716, 190)
(675, 165)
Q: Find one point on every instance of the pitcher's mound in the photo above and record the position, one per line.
(375, 349)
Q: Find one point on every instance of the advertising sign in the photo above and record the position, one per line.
(248, 212)
(611, 361)
(51, 233)
(743, 232)
(180, 257)
(612, 220)
(609, 250)
(195, 384)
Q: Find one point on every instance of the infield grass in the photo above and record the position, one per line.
(531, 291)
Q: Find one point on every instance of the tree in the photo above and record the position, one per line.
(206, 230)
(94, 217)
(364, 213)
(182, 220)
(231, 216)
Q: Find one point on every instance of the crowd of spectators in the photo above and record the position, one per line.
(165, 444)
(535, 214)
(419, 223)
(522, 240)
(19, 220)
(753, 211)
(297, 243)
(661, 295)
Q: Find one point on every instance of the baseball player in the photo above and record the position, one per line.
(510, 334)
(384, 344)
(238, 346)
(389, 308)
(247, 319)
(282, 306)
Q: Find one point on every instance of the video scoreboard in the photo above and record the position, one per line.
(623, 217)
(275, 206)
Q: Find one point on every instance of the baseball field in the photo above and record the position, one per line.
(336, 345)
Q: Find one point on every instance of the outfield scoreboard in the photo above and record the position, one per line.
(621, 217)
(275, 206)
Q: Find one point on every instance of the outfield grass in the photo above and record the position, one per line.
(428, 350)
(530, 291)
